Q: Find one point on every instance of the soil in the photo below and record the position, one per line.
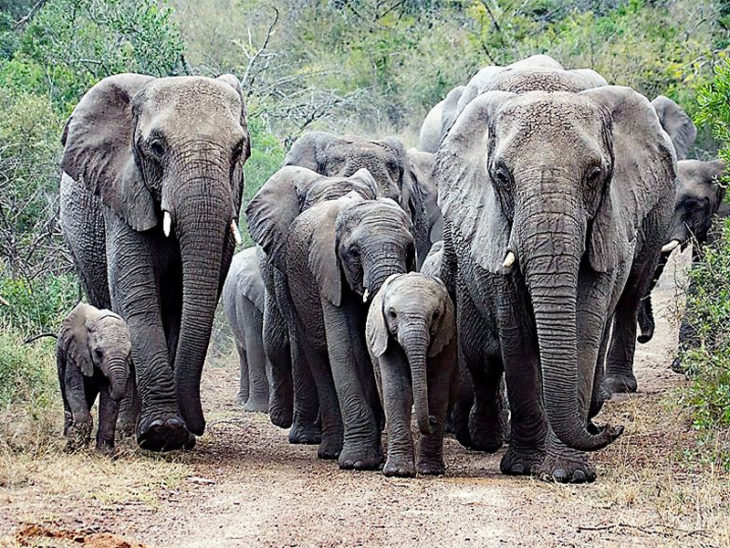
(244, 485)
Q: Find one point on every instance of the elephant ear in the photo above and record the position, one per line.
(249, 281)
(365, 177)
(376, 330)
(447, 325)
(676, 123)
(644, 166)
(274, 208)
(237, 176)
(466, 195)
(74, 337)
(99, 152)
(307, 150)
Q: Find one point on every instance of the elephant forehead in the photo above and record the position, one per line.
(540, 80)
(415, 290)
(378, 213)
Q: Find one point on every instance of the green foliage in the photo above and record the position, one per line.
(37, 306)
(714, 105)
(26, 370)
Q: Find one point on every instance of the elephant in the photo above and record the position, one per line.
(393, 169)
(699, 200)
(676, 123)
(151, 190)
(548, 248)
(432, 265)
(421, 170)
(411, 335)
(243, 299)
(293, 397)
(338, 255)
(430, 135)
(93, 357)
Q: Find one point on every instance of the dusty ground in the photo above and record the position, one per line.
(245, 486)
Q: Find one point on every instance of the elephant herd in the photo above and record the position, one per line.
(492, 282)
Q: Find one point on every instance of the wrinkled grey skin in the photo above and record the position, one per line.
(676, 123)
(142, 145)
(411, 334)
(435, 258)
(385, 159)
(293, 397)
(338, 253)
(431, 130)
(93, 357)
(243, 299)
(552, 179)
(699, 200)
(421, 168)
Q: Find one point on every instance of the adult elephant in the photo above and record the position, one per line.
(243, 299)
(545, 240)
(293, 400)
(699, 200)
(385, 159)
(676, 123)
(155, 165)
(431, 132)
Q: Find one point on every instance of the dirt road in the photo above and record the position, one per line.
(246, 486)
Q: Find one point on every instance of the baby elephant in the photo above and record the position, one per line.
(93, 354)
(411, 337)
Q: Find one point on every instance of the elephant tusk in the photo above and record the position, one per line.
(236, 233)
(670, 246)
(166, 223)
(509, 260)
(365, 295)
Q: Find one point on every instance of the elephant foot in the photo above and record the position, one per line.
(241, 398)
(574, 468)
(305, 434)
(331, 447)
(78, 436)
(368, 458)
(619, 384)
(399, 467)
(125, 429)
(486, 437)
(645, 337)
(280, 416)
(106, 448)
(431, 467)
(521, 462)
(257, 405)
(164, 434)
(677, 366)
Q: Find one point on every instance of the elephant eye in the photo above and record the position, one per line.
(594, 174)
(436, 314)
(157, 148)
(237, 150)
(392, 313)
(98, 352)
(502, 176)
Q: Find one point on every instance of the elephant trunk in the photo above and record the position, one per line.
(202, 217)
(118, 377)
(380, 264)
(415, 341)
(550, 260)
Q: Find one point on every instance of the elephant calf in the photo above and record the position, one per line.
(93, 355)
(243, 300)
(410, 333)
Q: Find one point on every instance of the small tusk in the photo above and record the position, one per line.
(236, 233)
(509, 260)
(166, 223)
(670, 246)
(365, 296)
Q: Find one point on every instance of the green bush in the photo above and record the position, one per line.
(27, 371)
(37, 306)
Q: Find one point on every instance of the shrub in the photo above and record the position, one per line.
(27, 371)
(37, 306)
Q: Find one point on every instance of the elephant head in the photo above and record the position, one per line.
(415, 312)
(676, 123)
(432, 128)
(699, 197)
(290, 191)
(166, 155)
(544, 183)
(98, 340)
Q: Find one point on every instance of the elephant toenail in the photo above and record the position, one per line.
(579, 476)
(560, 475)
(156, 423)
(518, 469)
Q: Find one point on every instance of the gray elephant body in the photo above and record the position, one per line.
(543, 242)
(676, 123)
(243, 299)
(395, 171)
(698, 202)
(432, 129)
(158, 162)
(411, 332)
(291, 190)
(338, 253)
(93, 357)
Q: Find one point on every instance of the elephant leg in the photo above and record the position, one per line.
(243, 383)
(276, 347)
(129, 408)
(646, 311)
(80, 395)
(397, 401)
(305, 428)
(431, 446)
(330, 417)
(258, 383)
(108, 411)
(361, 446)
(620, 361)
(458, 419)
(134, 284)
